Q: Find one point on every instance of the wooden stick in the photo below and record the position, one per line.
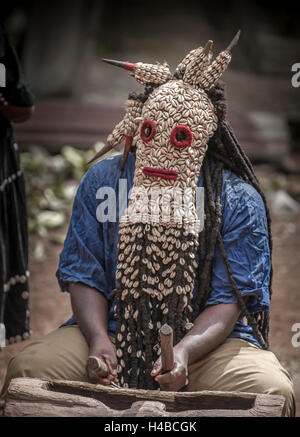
(167, 354)
(99, 366)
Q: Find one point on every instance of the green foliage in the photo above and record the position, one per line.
(51, 184)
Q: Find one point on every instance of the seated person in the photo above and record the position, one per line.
(129, 272)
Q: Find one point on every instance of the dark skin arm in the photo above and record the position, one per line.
(210, 329)
(90, 308)
(16, 114)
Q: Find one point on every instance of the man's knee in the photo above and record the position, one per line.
(32, 362)
(59, 355)
(26, 365)
(279, 384)
(284, 387)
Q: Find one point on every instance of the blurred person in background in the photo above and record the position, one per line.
(16, 105)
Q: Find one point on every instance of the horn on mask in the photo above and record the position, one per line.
(214, 71)
(144, 73)
(196, 62)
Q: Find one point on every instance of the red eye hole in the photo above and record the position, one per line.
(148, 130)
(181, 137)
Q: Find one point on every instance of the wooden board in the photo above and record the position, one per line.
(36, 397)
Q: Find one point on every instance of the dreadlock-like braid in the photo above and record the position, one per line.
(224, 149)
(250, 177)
(214, 224)
(243, 157)
(204, 240)
(143, 342)
(254, 182)
(252, 320)
(147, 338)
(260, 327)
(216, 212)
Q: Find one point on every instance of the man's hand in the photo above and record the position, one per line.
(177, 377)
(210, 329)
(106, 352)
(90, 310)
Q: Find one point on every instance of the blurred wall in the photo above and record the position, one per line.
(58, 40)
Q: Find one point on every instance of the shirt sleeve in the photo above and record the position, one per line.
(245, 237)
(82, 258)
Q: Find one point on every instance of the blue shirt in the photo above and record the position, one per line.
(90, 249)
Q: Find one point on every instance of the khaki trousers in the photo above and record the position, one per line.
(236, 365)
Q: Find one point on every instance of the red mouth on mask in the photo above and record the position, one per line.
(160, 173)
